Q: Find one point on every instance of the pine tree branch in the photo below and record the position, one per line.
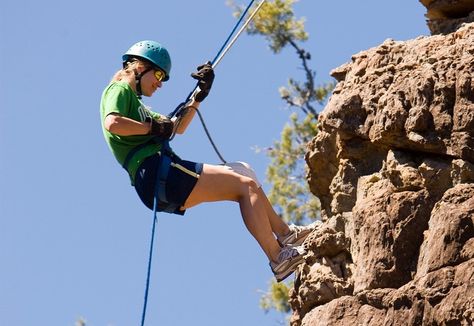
(310, 93)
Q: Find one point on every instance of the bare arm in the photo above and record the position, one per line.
(123, 126)
(187, 117)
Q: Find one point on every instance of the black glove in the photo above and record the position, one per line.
(205, 77)
(162, 128)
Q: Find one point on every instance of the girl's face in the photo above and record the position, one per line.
(150, 83)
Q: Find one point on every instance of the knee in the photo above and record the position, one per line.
(249, 187)
(245, 170)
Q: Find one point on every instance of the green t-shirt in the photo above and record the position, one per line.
(118, 97)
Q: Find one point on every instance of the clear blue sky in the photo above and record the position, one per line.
(74, 235)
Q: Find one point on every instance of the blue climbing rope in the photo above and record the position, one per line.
(150, 258)
(233, 31)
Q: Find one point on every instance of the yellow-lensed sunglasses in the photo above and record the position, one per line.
(160, 75)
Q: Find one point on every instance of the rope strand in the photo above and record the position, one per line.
(233, 31)
(208, 134)
(150, 258)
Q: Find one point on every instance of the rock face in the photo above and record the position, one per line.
(446, 16)
(393, 166)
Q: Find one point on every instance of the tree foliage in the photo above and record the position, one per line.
(276, 22)
(289, 193)
(276, 297)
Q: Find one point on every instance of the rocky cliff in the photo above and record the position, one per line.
(446, 16)
(393, 166)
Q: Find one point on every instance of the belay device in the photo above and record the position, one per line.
(177, 114)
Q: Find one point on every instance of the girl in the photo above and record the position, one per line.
(138, 139)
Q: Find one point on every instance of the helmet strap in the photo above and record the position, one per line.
(138, 80)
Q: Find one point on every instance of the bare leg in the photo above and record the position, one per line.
(218, 183)
(279, 226)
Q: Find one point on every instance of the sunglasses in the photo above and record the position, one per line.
(160, 75)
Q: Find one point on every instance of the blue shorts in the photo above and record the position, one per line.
(182, 178)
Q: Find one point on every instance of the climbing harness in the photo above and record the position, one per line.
(166, 159)
(164, 163)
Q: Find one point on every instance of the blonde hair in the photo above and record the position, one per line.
(128, 70)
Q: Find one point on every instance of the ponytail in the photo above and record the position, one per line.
(127, 70)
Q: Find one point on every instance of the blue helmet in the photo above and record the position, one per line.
(153, 52)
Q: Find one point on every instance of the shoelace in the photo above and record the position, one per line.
(296, 231)
(285, 254)
(299, 229)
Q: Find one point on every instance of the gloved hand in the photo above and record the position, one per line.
(205, 77)
(162, 128)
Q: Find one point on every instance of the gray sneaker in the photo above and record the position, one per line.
(298, 233)
(288, 260)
